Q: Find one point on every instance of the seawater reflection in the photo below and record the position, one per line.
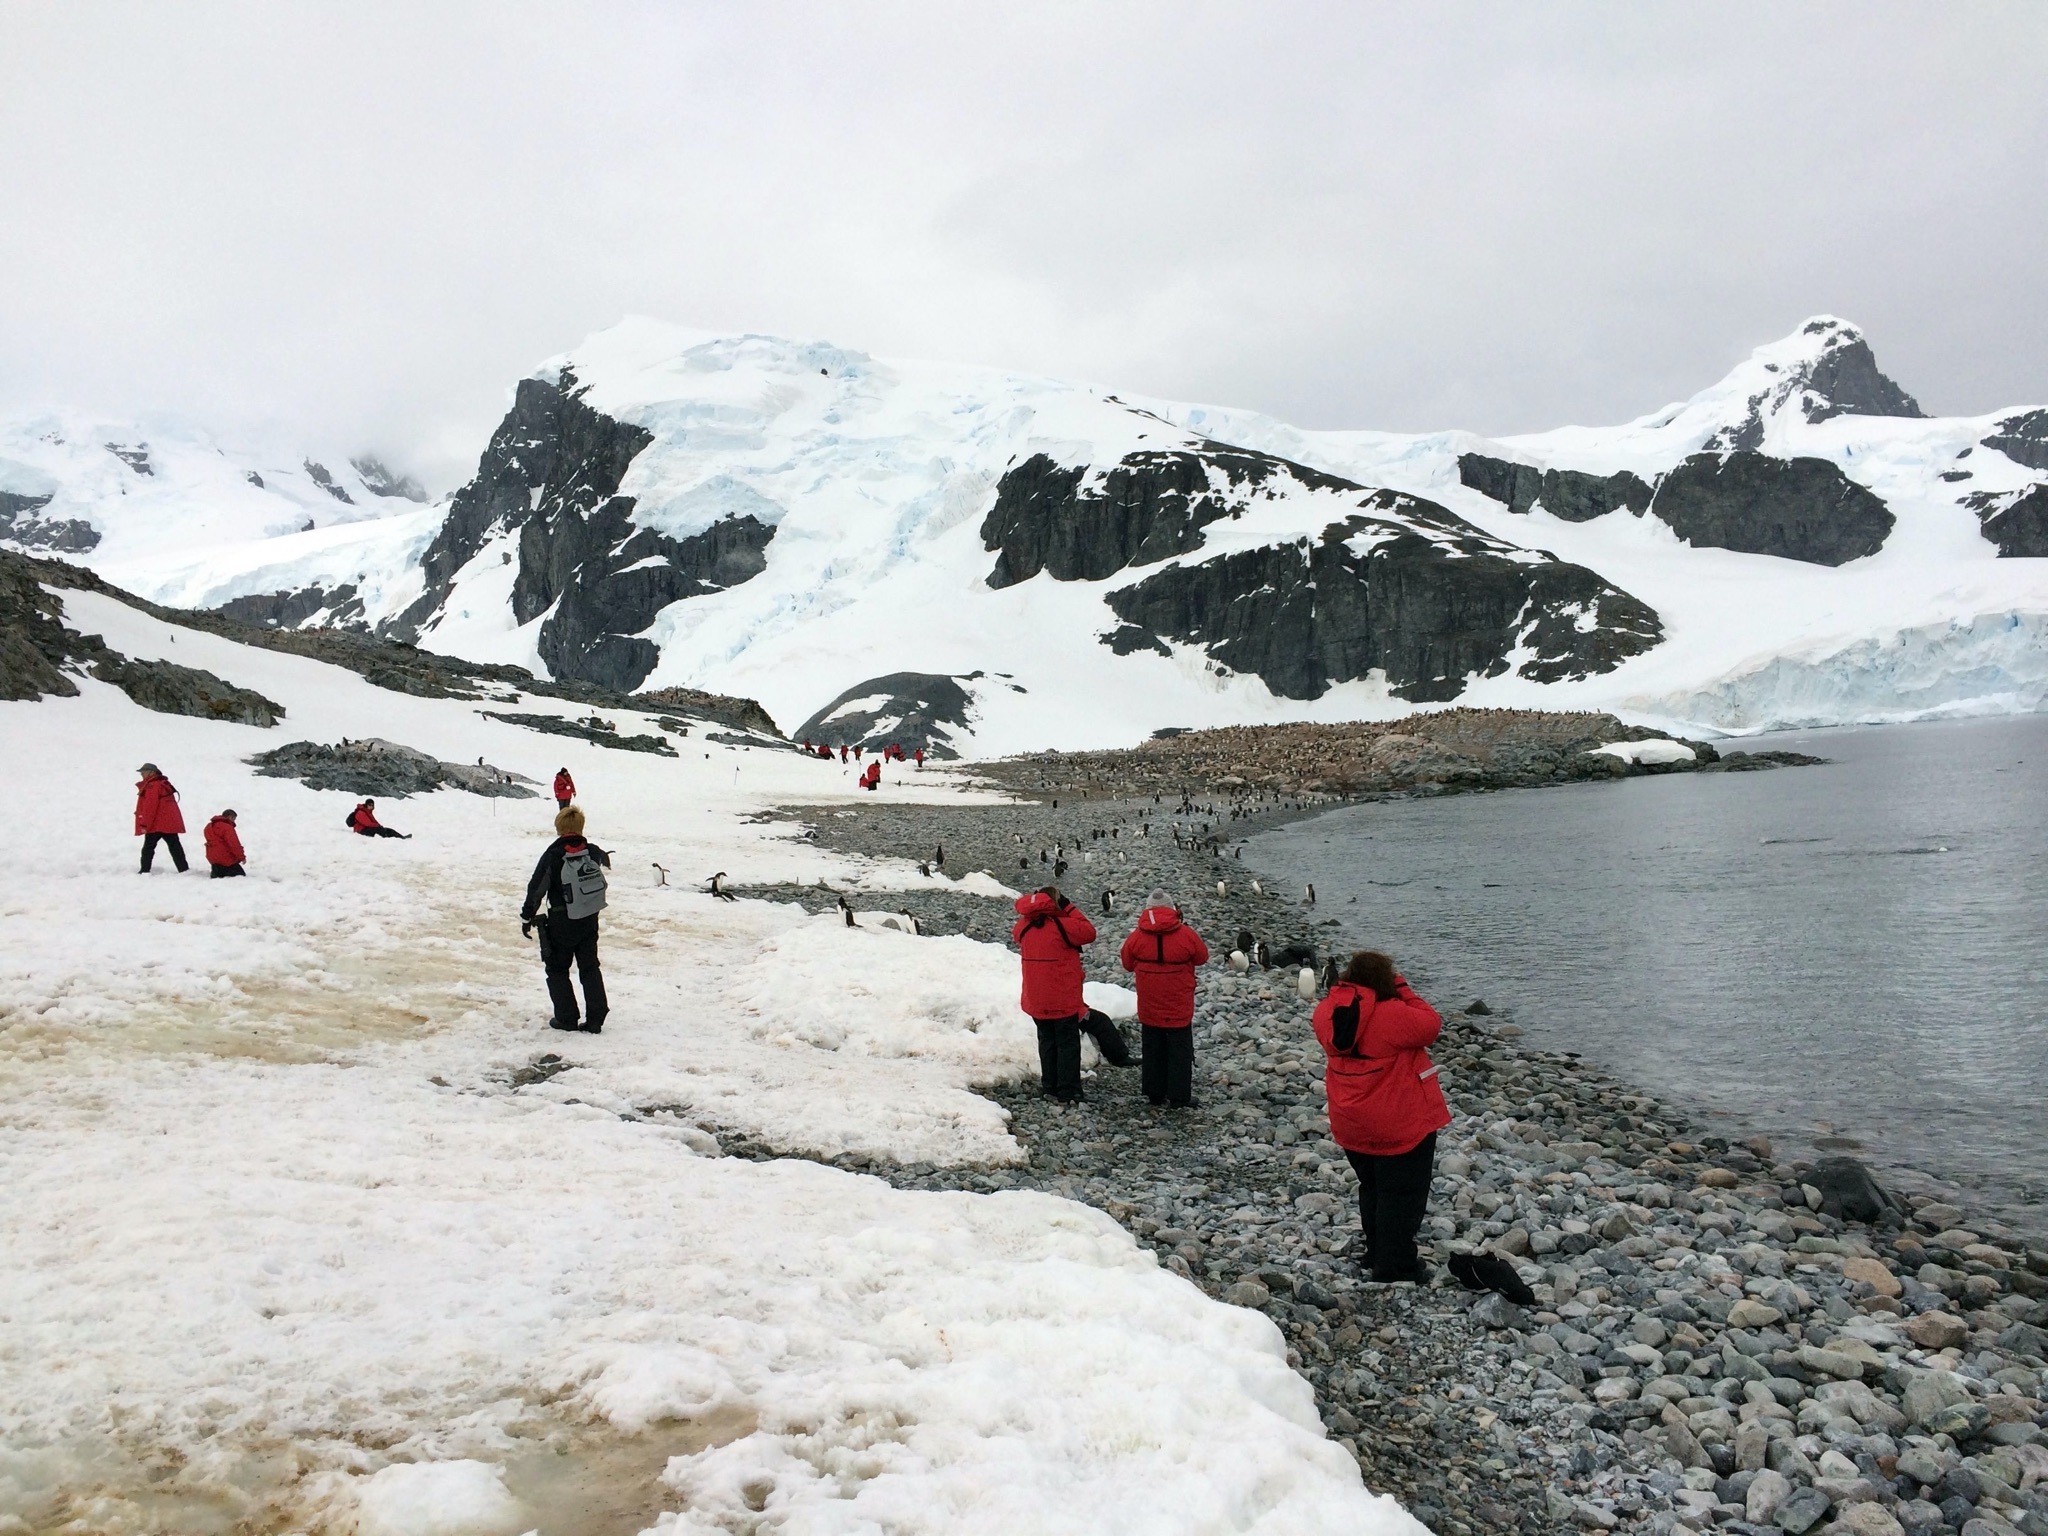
(1851, 951)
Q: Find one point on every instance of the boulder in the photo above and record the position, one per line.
(1799, 509)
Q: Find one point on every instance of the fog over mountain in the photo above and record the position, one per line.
(354, 227)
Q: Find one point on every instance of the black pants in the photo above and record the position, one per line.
(1059, 1057)
(226, 871)
(1393, 1193)
(170, 841)
(1167, 1069)
(567, 939)
(377, 832)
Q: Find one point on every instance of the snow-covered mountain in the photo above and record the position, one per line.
(850, 539)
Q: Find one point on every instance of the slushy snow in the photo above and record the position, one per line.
(289, 1247)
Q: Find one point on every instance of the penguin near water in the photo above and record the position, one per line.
(1311, 895)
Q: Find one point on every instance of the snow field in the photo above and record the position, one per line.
(289, 1251)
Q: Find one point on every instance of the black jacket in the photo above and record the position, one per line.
(546, 884)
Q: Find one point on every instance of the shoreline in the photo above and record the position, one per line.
(1708, 1348)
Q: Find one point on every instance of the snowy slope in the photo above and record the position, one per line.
(792, 521)
(289, 1249)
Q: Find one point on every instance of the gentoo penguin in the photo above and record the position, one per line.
(1238, 962)
(1109, 900)
(1222, 889)
(1311, 895)
(661, 875)
(1331, 973)
(718, 888)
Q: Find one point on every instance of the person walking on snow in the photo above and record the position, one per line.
(1385, 1105)
(1051, 932)
(565, 789)
(570, 878)
(363, 820)
(224, 847)
(1162, 953)
(157, 817)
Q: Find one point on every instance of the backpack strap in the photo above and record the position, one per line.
(1344, 1026)
(1054, 918)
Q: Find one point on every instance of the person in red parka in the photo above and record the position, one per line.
(565, 789)
(1051, 931)
(224, 847)
(1385, 1104)
(872, 776)
(363, 821)
(157, 817)
(1162, 953)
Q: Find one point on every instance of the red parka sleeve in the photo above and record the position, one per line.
(1404, 1022)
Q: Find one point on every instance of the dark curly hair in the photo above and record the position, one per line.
(1373, 971)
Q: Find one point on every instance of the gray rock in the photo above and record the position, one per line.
(1801, 1510)
(1799, 509)
(1494, 1310)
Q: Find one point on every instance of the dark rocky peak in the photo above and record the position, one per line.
(21, 523)
(1404, 589)
(379, 479)
(2015, 521)
(2022, 438)
(1085, 522)
(321, 476)
(1826, 370)
(134, 455)
(910, 709)
(1799, 509)
(1566, 493)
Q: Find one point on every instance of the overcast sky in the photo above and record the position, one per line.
(360, 223)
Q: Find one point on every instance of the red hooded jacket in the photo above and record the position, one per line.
(223, 843)
(565, 787)
(1383, 1090)
(156, 807)
(1051, 939)
(362, 816)
(1163, 952)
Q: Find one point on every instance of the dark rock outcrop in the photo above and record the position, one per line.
(598, 732)
(740, 714)
(2023, 439)
(377, 767)
(2015, 521)
(379, 479)
(319, 607)
(1800, 509)
(134, 455)
(1564, 493)
(322, 477)
(1375, 594)
(1082, 523)
(37, 651)
(911, 709)
(1841, 379)
(20, 524)
(551, 473)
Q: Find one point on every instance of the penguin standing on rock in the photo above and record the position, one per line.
(1109, 900)
(1238, 962)
(1311, 895)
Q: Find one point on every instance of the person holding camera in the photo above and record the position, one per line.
(1385, 1104)
(1162, 953)
(1051, 933)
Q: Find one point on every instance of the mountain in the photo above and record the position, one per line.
(1004, 562)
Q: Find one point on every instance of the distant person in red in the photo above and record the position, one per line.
(856, 751)
(872, 777)
(1162, 953)
(920, 757)
(224, 847)
(565, 789)
(363, 820)
(157, 817)
(842, 754)
(1385, 1104)
(1051, 932)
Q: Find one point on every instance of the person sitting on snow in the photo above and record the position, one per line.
(224, 847)
(363, 820)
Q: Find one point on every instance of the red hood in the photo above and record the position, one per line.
(1033, 903)
(1158, 920)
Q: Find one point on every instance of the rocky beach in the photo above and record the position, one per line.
(1722, 1338)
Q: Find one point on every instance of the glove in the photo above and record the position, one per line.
(525, 929)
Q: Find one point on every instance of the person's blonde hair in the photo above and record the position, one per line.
(569, 822)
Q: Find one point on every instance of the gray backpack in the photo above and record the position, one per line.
(583, 884)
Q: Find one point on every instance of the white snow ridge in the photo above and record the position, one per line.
(295, 1242)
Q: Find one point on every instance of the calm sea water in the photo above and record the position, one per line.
(1846, 954)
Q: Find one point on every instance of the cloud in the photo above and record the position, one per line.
(360, 225)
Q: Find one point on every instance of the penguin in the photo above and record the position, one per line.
(1245, 940)
(1331, 975)
(924, 869)
(717, 887)
(1257, 889)
(847, 912)
(939, 858)
(1059, 869)
(661, 875)
(1305, 984)
(1238, 962)
(1109, 900)
(1262, 955)
(1311, 895)
(1222, 889)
